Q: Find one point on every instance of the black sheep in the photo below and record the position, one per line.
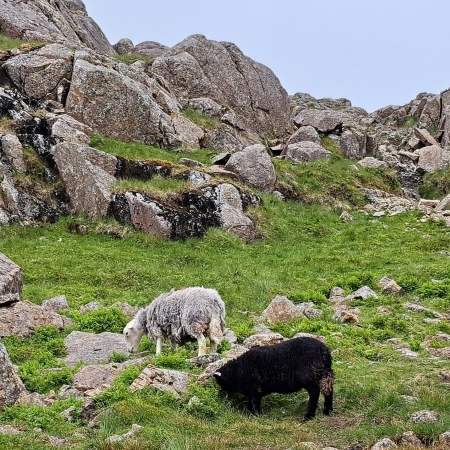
(287, 367)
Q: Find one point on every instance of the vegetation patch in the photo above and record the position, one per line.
(132, 58)
(435, 185)
(202, 120)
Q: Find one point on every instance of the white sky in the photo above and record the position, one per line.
(373, 52)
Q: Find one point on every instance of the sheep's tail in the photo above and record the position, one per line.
(326, 382)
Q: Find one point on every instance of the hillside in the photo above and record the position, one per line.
(127, 171)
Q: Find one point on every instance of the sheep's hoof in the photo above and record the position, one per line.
(307, 418)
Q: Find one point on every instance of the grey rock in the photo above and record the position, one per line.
(11, 148)
(281, 309)
(11, 281)
(11, 387)
(305, 152)
(444, 204)
(254, 166)
(68, 129)
(383, 444)
(150, 48)
(258, 340)
(306, 133)
(124, 46)
(364, 293)
(92, 348)
(56, 304)
(425, 416)
(88, 175)
(369, 161)
(433, 158)
(21, 318)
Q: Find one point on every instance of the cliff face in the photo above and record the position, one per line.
(62, 21)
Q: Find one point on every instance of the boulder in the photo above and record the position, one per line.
(198, 67)
(444, 204)
(432, 158)
(88, 175)
(306, 133)
(150, 48)
(11, 281)
(124, 46)
(236, 222)
(21, 319)
(11, 151)
(254, 166)
(281, 309)
(11, 386)
(166, 380)
(374, 163)
(56, 303)
(305, 152)
(43, 74)
(68, 129)
(47, 20)
(259, 340)
(92, 348)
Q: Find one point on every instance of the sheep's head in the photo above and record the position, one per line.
(133, 333)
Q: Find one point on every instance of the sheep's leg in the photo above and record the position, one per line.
(214, 342)
(254, 404)
(328, 404)
(201, 344)
(158, 345)
(174, 344)
(314, 393)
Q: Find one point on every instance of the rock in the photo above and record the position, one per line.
(433, 158)
(425, 137)
(444, 438)
(206, 106)
(322, 121)
(385, 443)
(364, 293)
(11, 281)
(56, 303)
(346, 217)
(254, 166)
(343, 315)
(205, 360)
(135, 429)
(319, 338)
(166, 380)
(236, 222)
(11, 386)
(43, 74)
(410, 438)
(305, 152)
(390, 286)
(425, 416)
(88, 307)
(374, 163)
(350, 146)
(124, 46)
(260, 340)
(444, 204)
(41, 20)
(211, 369)
(88, 175)
(9, 430)
(150, 48)
(307, 133)
(198, 67)
(128, 310)
(21, 318)
(92, 348)
(11, 148)
(68, 129)
(281, 309)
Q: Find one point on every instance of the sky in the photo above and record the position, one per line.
(375, 53)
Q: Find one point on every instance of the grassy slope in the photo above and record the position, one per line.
(303, 250)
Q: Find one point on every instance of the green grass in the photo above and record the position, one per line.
(202, 120)
(303, 250)
(8, 43)
(130, 59)
(156, 186)
(435, 185)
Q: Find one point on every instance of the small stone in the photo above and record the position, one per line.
(425, 416)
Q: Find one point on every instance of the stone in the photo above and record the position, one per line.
(92, 348)
(350, 146)
(135, 429)
(198, 68)
(43, 74)
(444, 204)
(150, 48)
(323, 121)
(433, 158)
(11, 281)
(236, 222)
(410, 438)
(260, 340)
(88, 307)
(390, 286)
(88, 175)
(205, 360)
(166, 380)
(9, 430)
(11, 386)
(425, 137)
(206, 106)
(21, 318)
(124, 46)
(56, 303)
(305, 152)
(254, 166)
(44, 21)
(425, 416)
(346, 217)
(301, 334)
(374, 163)
(383, 444)
(281, 309)
(12, 151)
(68, 129)
(306, 133)
(364, 293)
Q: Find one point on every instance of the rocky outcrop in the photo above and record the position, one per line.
(63, 21)
(11, 387)
(198, 67)
(11, 281)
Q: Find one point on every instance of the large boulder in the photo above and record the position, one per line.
(11, 386)
(305, 151)
(64, 21)
(198, 67)
(150, 48)
(88, 175)
(125, 103)
(11, 152)
(432, 158)
(43, 74)
(11, 281)
(254, 166)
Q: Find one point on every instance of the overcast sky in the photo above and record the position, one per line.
(373, 52)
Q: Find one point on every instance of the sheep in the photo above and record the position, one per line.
(287, 367)
(185, 315)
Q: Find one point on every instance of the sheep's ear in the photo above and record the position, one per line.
(217, 374)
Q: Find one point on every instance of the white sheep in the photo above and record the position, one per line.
(189, 314)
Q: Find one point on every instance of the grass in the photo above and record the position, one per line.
(303, 250)
(130, 59)
(7, 125)
(202, 120)
(8, 43)
(435, 185)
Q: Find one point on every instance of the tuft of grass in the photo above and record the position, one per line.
(100, 320)
(132, 58)
(7, 125)
(8, 43)
(202, 120)
(157, 185)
